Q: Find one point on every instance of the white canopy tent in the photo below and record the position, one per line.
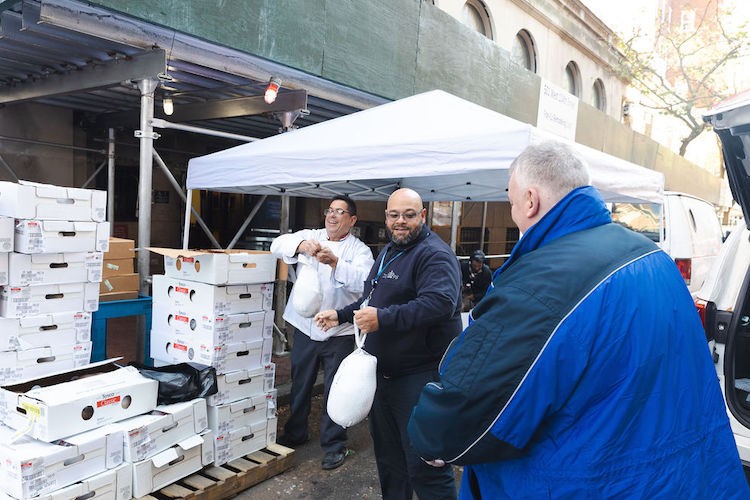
(442, 146)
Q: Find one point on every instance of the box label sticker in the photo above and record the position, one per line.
(108, 401)
(32, 410)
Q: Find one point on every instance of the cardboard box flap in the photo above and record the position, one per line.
(236, 254)
(51, 319)
(64, 195)
(191, 442)
(64, 225)
(53, 378)
(245, 320)
(242, 348)
(243, 405)
(236, 376)
(39, 354)
(161, 459)
(247, 431)
(46, 190)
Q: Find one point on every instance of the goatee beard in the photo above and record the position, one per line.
(411, 236)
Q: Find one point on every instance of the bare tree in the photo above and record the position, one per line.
(687, 71)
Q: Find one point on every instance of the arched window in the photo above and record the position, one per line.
(599, 100)
(474, 15)
(573, 79)
(523, 51)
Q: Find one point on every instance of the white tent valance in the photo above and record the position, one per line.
(442, 146)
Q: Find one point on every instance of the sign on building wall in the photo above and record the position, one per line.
(558, 111)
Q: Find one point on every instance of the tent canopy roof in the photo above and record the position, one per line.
(443, 147)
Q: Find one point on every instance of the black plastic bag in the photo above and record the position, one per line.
(181, 382)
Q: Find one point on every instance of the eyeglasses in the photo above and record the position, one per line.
(393, 215)
(337, 211)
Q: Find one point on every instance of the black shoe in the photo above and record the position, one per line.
(333, 459)
(289, 443)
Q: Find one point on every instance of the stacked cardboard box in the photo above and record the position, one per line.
(166, 444)
(119, 279)
(59, 438)
(215, 308)
(50, 275)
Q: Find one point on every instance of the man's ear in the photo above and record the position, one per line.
(532, 203)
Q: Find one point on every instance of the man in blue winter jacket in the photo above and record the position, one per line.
(411, 314)
(585, 371)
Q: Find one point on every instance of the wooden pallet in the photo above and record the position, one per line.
(217, 483)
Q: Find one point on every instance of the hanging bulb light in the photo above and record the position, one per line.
(272, 90)
(168, 105)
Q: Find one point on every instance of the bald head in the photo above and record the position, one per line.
(405, 196)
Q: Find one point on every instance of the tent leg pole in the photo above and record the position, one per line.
(176, 186)
(484, 225)
(455, 215)
(186, 227)
(282, 345)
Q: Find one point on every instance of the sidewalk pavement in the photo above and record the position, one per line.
(357, 478)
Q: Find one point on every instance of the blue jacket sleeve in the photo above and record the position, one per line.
(499, 380)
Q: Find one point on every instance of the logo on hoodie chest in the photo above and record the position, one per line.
(390, 275)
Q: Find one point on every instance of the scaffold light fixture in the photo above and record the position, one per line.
(272, 90)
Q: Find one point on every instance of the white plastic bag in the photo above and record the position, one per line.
(353, 387)
(307, 297)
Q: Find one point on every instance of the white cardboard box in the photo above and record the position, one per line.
(31, 467)
(239, 442)
(230, 416)
(4, 268)
(76, 401)
(30, 200)
(40, 361)
(113, 484)
(59, 236)
(64, 328)
(244, 383)
(22, 301)
(271, 430)
(219, 267)
(54, 268)
(173, 348)
(166, 425)
(182, 459)
(213, 329)
(211, 300)
(7, 232)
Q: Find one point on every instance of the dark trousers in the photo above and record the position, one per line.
(400, 469)
(307, 358)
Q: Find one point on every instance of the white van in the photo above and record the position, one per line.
(724, 300)
(685, 227)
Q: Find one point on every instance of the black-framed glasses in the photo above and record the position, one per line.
(394, 215)
(337, 211)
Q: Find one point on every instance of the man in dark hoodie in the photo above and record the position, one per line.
(411, 309)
